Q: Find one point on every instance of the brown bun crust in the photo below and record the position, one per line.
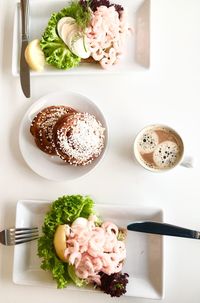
(43, 124)
(89, 60)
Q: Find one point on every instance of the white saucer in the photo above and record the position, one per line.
(52, 167)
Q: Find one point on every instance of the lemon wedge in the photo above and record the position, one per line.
(60, 241)
(35, 56)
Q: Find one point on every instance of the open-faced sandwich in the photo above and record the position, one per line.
(84, 31)
(78, 247)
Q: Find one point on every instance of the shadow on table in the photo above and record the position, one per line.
(6, 60)
(6, 252)
(14, 142)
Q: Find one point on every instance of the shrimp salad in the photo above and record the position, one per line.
(85, 31)
(106, 35)
(85, 250)
(93, 249)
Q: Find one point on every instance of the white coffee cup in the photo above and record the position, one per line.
(160, 148)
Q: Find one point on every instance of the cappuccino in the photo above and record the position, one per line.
(158, 148)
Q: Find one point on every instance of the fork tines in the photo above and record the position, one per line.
(22, 235)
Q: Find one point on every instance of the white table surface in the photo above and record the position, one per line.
(168, 93)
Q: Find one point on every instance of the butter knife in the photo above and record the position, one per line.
(24, 68)
(163, 229)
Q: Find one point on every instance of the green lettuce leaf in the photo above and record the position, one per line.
(63, 211)
(55, 50)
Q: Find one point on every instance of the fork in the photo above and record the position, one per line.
(14, 236)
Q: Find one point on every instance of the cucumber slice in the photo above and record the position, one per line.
(62, 21)
(77, 281)
(80, 48)
(67, 32)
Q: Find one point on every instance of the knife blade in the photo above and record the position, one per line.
(163, 229)
(24, 68)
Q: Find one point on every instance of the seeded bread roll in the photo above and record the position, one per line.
(42, 126)
(78, 138)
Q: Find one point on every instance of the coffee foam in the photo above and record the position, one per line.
(147, 142)
(166, 154)
(152, 143)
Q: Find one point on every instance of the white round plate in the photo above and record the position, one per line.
(52, 167)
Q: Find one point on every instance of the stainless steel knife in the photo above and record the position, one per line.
(24, 68)
(163, 229)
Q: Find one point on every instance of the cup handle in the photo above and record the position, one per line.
(188, 162)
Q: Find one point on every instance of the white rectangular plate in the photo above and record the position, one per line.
(144, 262)
(137, 50)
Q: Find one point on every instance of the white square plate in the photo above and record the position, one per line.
(144, 262)
(137, 50)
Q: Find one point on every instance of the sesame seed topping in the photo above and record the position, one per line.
(80, 138)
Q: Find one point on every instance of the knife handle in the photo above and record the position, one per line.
(163, 229)
(24, 16)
